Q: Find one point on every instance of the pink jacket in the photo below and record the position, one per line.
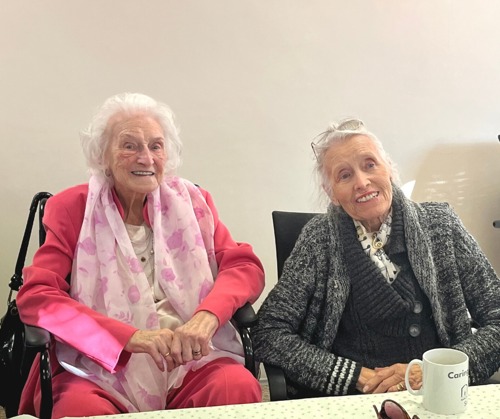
(240, 279)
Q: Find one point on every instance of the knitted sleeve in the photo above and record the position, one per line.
(287, 333)
(481, 288)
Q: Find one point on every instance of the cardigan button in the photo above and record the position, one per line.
(414, 330)
(417, 307)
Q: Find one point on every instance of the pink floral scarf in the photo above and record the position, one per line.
(185, 267)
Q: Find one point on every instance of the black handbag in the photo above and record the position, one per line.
(12, 371)
(11, 350)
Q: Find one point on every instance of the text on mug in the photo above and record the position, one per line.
(453, 375)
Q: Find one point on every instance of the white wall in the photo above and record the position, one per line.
(251, 83)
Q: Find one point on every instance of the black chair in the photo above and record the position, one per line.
(287, 228)
(37, 340)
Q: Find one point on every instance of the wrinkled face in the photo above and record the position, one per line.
(135, 155)
(360, 180)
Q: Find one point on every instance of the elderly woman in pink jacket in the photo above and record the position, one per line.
(155, 277)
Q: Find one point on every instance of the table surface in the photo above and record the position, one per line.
(484, 402)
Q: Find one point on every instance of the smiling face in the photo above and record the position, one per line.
(135, 156)
(360, 180)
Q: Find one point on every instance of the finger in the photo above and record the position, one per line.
(176, 350)
(398, 387)
(187, 351)
(197, 354)
(193, 347)
(371, 384)
(379, 389)
(170, 363)
(384, 373)
(385, 385)
(393, 389)
(205, 348)
(161, 354)
(158, 359)
(167, 356)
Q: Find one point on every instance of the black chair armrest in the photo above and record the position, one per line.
(36, 337)
(37, 340)
(277, 383)
(243, 319)
(245, 316)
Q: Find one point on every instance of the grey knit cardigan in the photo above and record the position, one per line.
(299, 318)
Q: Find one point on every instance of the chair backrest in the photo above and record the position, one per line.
(16, 358)
(41, 211)
(287, 228)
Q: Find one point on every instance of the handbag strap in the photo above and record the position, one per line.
(38, 202)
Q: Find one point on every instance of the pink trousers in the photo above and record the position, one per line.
(220, 382)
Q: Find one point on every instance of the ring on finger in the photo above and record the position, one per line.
(400, 386)
(196, 353)
(166, 354)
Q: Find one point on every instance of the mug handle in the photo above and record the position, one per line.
(407, 377)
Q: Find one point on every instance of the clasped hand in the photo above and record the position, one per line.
(188, 342)
(387, 379)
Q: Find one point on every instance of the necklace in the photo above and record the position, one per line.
(142, 240)
(145, 258)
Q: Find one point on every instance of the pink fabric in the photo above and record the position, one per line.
(185, 267)
(75, 396)
(220, 382)
(44, 300)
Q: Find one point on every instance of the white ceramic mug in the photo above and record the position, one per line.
(445, 380)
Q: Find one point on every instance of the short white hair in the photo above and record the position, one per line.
(95, 138)
(342, 131)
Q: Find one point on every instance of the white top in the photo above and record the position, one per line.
(141, 238)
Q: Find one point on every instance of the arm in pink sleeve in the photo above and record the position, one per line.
(44, 300)
(241, 276)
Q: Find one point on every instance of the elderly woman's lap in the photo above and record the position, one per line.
(76, 396)
(220, 382)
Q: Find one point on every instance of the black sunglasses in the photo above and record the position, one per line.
(392, 410)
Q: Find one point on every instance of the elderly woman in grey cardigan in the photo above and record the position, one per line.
(375, 282)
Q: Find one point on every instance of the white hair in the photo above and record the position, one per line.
(95, 138)
(342, 131)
